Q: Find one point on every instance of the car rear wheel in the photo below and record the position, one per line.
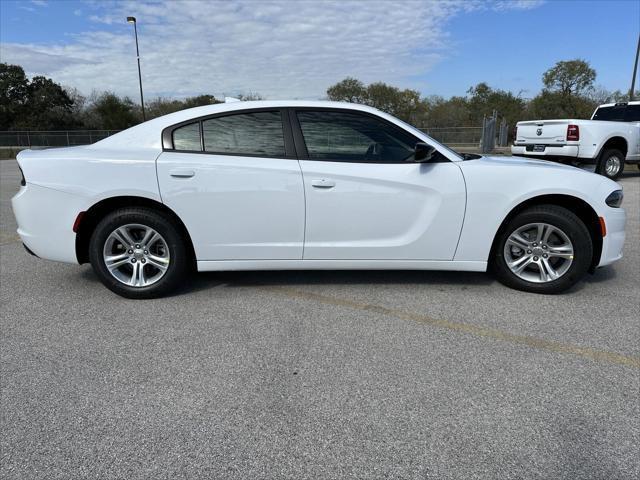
(611, 163)
(138, 253)
(544, 249)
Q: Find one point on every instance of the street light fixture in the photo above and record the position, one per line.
(135, 29)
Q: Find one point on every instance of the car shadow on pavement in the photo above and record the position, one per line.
(207, 280)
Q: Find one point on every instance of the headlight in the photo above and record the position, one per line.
(614, 199)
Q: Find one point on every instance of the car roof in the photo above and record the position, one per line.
(148, 134)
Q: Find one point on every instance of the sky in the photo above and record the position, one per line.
(296, 49)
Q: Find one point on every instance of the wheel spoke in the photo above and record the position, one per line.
(518, 240)
(137, 276)
(520, 264)
(150, 237)
(161, 263)
(561, 251)
(115, 261)
(547, 272)
(124, 237)
(547, 233)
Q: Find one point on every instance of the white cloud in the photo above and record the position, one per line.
(282, 49)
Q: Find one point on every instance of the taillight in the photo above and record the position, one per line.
(573, 133)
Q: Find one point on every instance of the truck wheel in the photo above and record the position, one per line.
(611, 163)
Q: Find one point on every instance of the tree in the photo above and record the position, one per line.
(572, 77)
(348, 90)
(404, 104)
(249, 97)
(110, 112)
(13, 94)
(557, 105)
(483, 100)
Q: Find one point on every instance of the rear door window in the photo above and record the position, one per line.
(245, 134)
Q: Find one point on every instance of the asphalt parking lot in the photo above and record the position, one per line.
(318, 374)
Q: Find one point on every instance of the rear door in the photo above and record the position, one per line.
(235, 182)
(366, 199)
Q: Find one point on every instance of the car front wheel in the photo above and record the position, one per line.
(544, 249)
(138, 253)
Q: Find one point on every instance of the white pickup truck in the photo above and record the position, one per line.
(608, 140)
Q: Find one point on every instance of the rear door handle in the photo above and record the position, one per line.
(323, 183)
(181, 173)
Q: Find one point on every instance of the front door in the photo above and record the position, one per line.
(366, 199)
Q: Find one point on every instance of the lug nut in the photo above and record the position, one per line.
(137, 245)
(535, 244)
(143, 260)
(544, 246)
(535, 259)
(133, 260)
(529, 251)
(130, 251)
(545, 255)
(146, 252)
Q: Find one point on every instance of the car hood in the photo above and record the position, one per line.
(528, 163)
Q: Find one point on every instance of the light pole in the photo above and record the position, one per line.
(135, 29)
(635, 69)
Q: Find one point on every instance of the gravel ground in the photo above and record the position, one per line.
(318, 374)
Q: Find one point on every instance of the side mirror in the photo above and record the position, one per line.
(423, 152)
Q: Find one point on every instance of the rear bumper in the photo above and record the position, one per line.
(45, 221)
(568, 152)
(613, 242)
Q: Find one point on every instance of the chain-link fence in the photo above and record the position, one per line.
(59, 138)
(461, 136)
(454, 136)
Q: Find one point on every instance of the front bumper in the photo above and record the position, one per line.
(45, 219)
(613, 242)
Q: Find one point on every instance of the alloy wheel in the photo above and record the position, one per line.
(136, 255)
(538, 252)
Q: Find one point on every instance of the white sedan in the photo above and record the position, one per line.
(308, 185)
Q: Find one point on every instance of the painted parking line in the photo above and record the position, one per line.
(478, 331)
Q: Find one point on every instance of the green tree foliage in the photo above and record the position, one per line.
(483, 100)
(108, 111)
(548, 105)
(572, 77)
(348, 90)
(39, 104)
(404, 104)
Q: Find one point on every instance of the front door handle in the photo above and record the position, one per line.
(323, 183)
(182, 173)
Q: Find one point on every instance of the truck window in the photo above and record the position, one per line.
(632, 114)
(610, 114)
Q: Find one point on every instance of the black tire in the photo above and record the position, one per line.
(602, 163)
(557, 217)
(179, 264)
